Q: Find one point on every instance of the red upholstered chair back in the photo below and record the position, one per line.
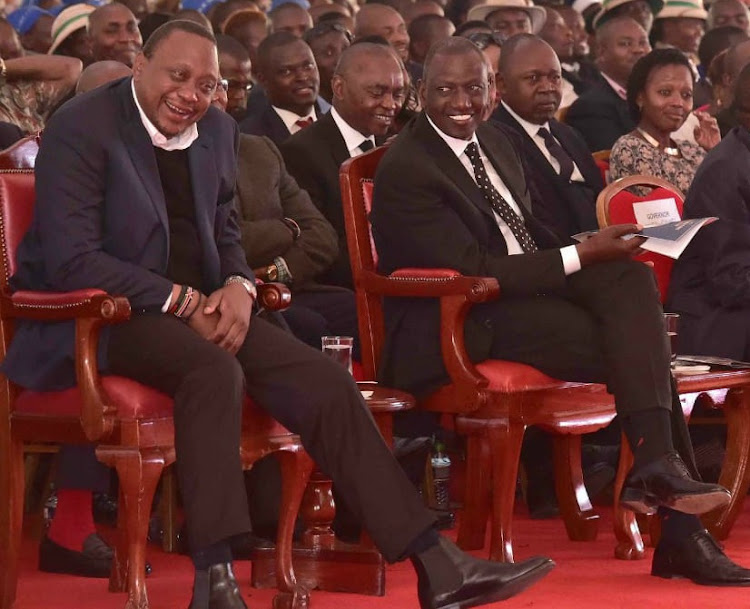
(356, 177)
(22, 154)
(601, 158)
(16, 210)
(615, 206)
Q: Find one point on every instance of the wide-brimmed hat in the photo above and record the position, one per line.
(692, 9)
(24, 18)
(605, 14)
(70, 20)
(537, 14)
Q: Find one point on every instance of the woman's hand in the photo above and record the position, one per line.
(707, 133)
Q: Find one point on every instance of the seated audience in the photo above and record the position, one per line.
(509, 17)
(491, 45)
(34, 26)
(470, 27)
(327, 40)
(345, 21)
(728, 12)
(680, 24)
(425, 31)
(641, 11)
(418, 8)
(660, 97)
(87, 207)
(319, 10)
(139, 8)
(714, 42)
(738, 56)
(290, 17)
(558, 163)
(601, 114)
(249, 27)
(559, 36)
(236, 69)
(287, 71)
(223, 10)
(716, 75)
(382, 20)
(69, 33)
(582, 312)
(709, 286)
(34, 84)
(368, 91)
(99, 73)
(114, 34)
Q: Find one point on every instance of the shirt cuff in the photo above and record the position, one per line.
(285, 275)
(165, 306)
(571, 261)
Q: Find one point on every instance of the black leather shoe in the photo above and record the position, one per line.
(667, 482)
(449, 578)
(216, 588)
(700, 559)
(94, 561)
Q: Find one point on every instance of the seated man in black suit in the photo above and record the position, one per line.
(601, 114)
(368, 91)
(135, 195)
(559, 163)
(582, 312)
(286, 69)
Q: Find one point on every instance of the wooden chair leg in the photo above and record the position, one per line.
(581, 521)
(296, 467)
(628, 534)
(735, 471)
(139, 473)
(11, 519)
(168, 510)
(473, 522)
(505, 440)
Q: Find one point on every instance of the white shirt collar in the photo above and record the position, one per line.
(619, 89)
(178, 142)
(456, 145)
(352, 137)
(290, 118)
(531, 128)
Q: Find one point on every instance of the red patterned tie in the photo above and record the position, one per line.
(304, 122)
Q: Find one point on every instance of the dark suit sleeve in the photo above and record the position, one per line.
(414, 226)
(301, 167)
(595, 122)
(71, 183)
(228, 236)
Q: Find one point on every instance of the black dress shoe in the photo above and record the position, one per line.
(449, 578)
(216, 588)
(699, 558)
(94, 561)
(667, 482)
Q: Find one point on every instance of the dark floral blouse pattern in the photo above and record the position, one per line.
(631, 155)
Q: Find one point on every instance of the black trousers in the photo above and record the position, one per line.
(606, 326)
(307, 392)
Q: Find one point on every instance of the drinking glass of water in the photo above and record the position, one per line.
(339, 348)
(670, 322)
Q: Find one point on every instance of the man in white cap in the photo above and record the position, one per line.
(642, 11)
(510, 17)
(70, 33)
(680, 24)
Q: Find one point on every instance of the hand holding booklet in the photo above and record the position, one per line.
(665, 232)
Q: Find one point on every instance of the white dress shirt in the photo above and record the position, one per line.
(290, 118)
(158, 139)
(571, 261)
(618, 88)
(352, 138)
(533, 132)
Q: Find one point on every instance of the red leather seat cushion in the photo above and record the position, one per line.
(511, 376)
(133, 401)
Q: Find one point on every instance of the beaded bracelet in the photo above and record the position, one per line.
(184, 303)
(176, 302)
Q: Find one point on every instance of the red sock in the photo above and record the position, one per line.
(74, 519)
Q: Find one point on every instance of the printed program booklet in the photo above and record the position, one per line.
(665, 232)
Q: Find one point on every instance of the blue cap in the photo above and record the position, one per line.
(67, 3)
(277, 3)
(24, 18)
(201, 6)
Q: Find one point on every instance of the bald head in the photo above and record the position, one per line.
(518, 46)
(452, 47)
(100, 73)
(114, 34)
(359, 56)
(382, 20)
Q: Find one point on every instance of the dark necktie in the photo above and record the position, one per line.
(557, 151)
(366, 145)
(304, 122)
(498, 203)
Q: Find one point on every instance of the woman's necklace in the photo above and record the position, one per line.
(652, 140)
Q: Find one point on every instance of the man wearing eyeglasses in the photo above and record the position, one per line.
(236, 72)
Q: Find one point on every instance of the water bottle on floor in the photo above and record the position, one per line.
(441, 471)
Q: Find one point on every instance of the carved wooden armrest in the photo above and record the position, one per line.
(90, 309)
(273, 296)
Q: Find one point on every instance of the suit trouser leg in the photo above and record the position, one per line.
(207, 385)
(316, 398)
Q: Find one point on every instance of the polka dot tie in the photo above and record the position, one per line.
(498, 203)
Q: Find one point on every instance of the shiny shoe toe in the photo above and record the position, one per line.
(217, 588)
(700, 559)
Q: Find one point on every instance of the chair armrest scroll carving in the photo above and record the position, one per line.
(274, 296)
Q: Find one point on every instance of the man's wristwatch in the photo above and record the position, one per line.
(293, 226)
(272, 272)
(244, 282)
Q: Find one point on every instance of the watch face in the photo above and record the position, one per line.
(273, 273)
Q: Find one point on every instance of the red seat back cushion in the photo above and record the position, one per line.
(603, 169)
(16, 207)
(621, 212)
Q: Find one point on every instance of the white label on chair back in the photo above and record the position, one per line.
(654, 213)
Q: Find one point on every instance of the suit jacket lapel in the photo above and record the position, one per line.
(141, 152)
(334, 139)
(449, 165)
(277, 130)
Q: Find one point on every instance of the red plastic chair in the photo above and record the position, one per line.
(601, 158)
(130, 424)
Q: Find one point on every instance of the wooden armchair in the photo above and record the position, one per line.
(493, 401)
(22, 154)
(130, 424)
(725, 390)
